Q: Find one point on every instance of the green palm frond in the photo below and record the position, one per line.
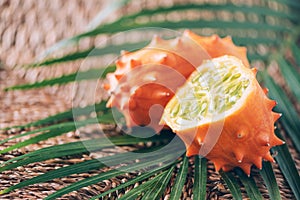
(250, 185)
(267, 24)
(180, 179)
(99, 19)
(289, 170)
(232, 184)
(270, 180)
(291, 76)
(199, 188)
(91, 74)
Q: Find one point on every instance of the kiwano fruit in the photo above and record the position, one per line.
(145, 80)
(222, 113)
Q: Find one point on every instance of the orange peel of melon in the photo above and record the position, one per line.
(236, 133)
(216, 46)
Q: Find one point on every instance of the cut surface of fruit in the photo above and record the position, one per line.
(213, 90)
(222, 113)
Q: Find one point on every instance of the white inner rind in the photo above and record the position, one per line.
(212, 92)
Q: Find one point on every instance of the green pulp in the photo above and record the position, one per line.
(209, 91)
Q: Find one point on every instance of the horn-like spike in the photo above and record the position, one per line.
(254, 70)
(246, 168)
(134, 63)
(106, 86)
(118, 76)
(109, 102)
(239, 156)
(199, 140)
(264, 141)
(176, 42)
(124, 52)
(120, 64)
(215, 38)
(155, 40)
(258, 162)
(266, 90)
(276, 116)
(271, 103)
(228, 38)
(218, 166)
(190, 149)
(162, 58)
(269, 157)
(276, 141)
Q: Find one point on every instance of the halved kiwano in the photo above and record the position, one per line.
(222, 113)
(141, 94)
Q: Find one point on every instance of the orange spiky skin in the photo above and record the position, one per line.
(216, 46)
(136, 95)
(246, 136)
(146, 78)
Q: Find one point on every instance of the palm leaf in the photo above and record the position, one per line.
(291, 76)
(83, 166)
(144, 188)
(132, 181)
(250, 185)
(154, 160)
(92, 52)
(232, 184)
(108, 28)
(128, 22)
(287, 166)
(102, 15)
(74, 148)
(158, 186)
(77, 76)
(285, 25)
(63, 116)
(59, 129)
(296, 52)
(200, 179)
(270, 180)
(115, 49)
(180, 180)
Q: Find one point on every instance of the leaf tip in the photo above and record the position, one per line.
(4, 191)
(7, 89)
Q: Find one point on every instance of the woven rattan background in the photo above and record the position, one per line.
(26, 29)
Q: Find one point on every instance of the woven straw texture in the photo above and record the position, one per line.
(26, 29)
